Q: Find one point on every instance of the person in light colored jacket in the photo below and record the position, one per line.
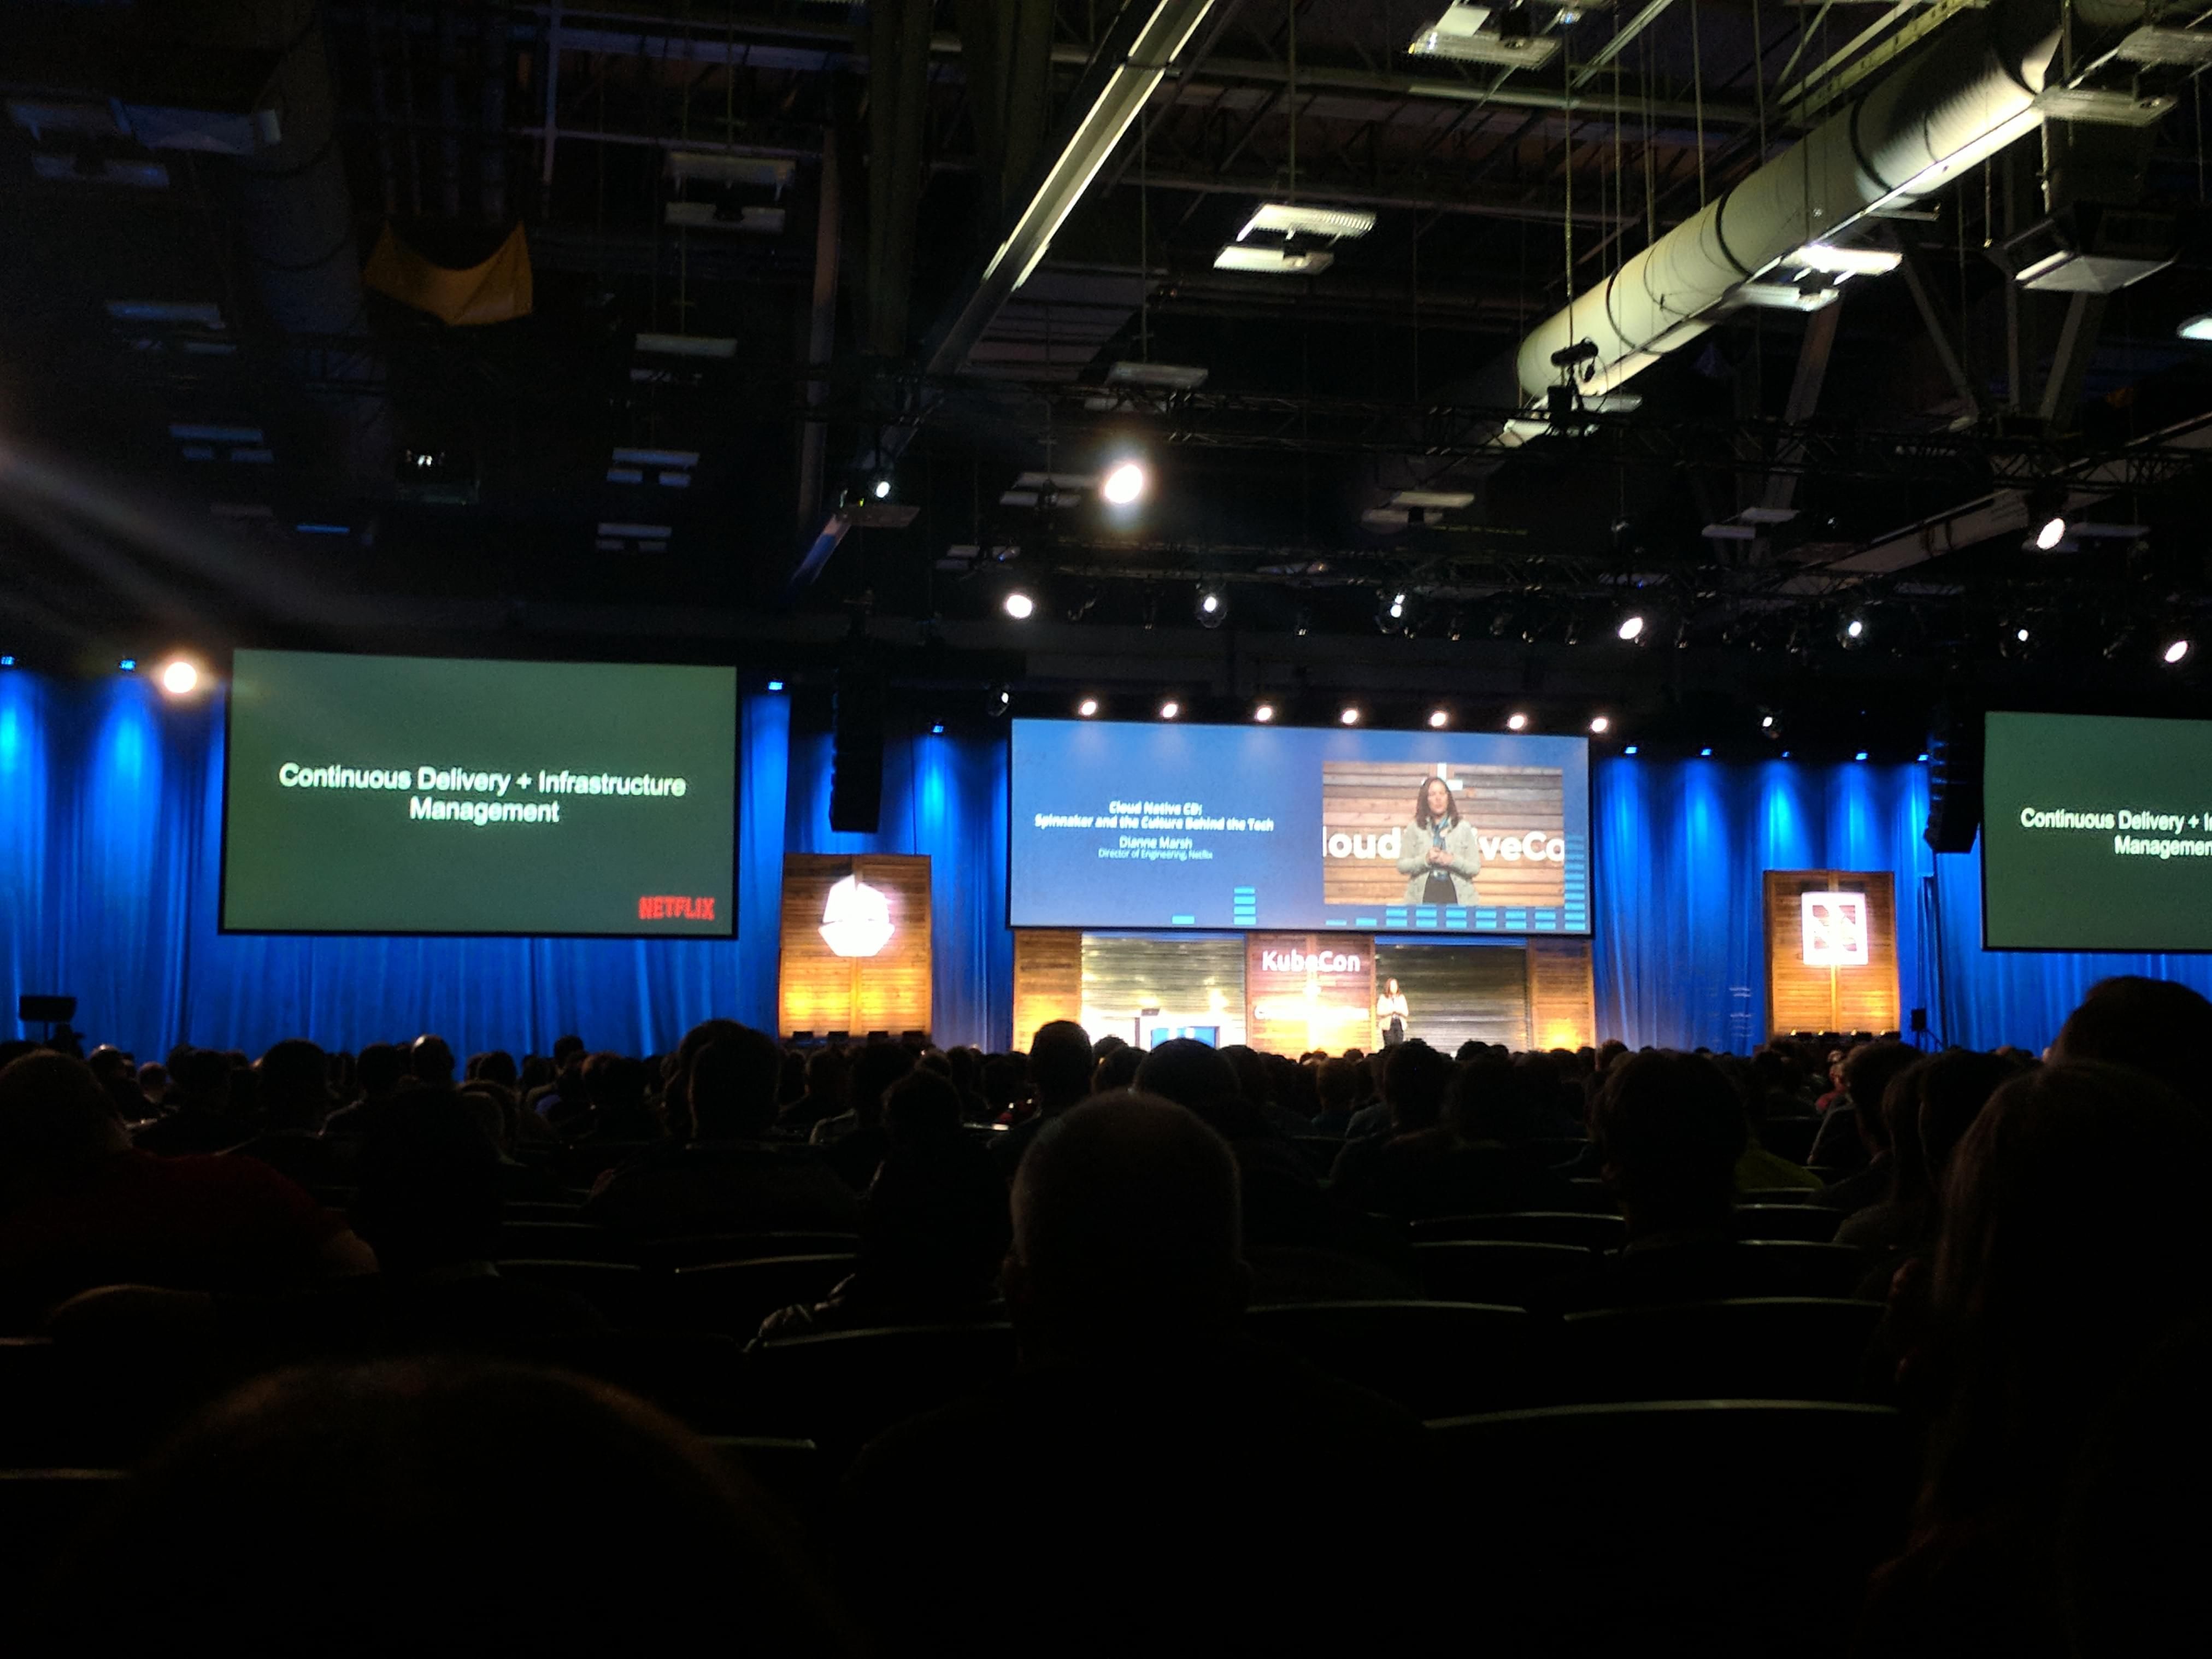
(1437, 852)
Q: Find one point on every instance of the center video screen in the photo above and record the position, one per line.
(1144, 824)
(428, 795)
(2095, 836)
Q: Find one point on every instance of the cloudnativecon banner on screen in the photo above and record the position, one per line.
(1161, 825)
(419, 795)
(2097, 833)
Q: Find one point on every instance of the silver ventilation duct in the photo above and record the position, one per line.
(1970, 95)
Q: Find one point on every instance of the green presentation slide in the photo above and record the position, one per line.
(431, 795)
(2097, 833)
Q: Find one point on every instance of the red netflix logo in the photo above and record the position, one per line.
(668, 906)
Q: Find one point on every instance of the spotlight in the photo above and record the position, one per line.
(1350, 715)
(1019, 605)
(2175, 651)
(129, 665)
(1706, 753)
(1632, 626)
(2050, 533)
(1921, 758)
(179, 678)
(1087, 707)
(1212, 607)
(1002, 700)
(1851, 632)
(7, 659)
(1630, 750)
(1264, 714)
(1398, 607)
(2045, 505)
(881, 490)
(776, 685)
(1600, 725)
(2021, 634)
(1125, 484)
(1767, 722)
(1438, 719)
(1860, 756)
(1517, 721)
(1169, 710)
(1304, 621)
(937, 728)
(1785, 754)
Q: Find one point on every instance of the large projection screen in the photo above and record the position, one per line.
(424, 795)
(1143, 825)
(2097, 833)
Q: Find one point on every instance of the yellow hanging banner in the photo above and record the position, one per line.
(496, 291)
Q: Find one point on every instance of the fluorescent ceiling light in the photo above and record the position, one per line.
(1781, 296)
(688, 345)
(1449, 500)
(656, 457)
(1289, 220)
(766, 171)
(1519, 51)
(1273, 260)
(1845, 261)
(1460, 19)
(205, 312)
(2198, 327)
(2101, 108)
(1170, 377)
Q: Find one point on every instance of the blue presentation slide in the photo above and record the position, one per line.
(1155, 824)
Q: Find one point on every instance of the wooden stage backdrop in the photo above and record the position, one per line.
(1802, 996)
(1538, 994)
(1368, 802)
(819, 991)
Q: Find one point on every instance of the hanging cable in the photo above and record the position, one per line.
(1292, 93)
(1698, 90)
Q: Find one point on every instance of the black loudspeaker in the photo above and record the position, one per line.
(1954, 784)
(35, 1009)
(856, 771)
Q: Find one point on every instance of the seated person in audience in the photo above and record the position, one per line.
(616, 1086)
(1759, 1170)
(2152, 1024)
(853, 1142)
(1116, 1068)
(1060, 1080)
(1336, 1082)
(202, 1120)
(1669, 1129)
(1414, 1078)
(726, 1175)
(1850, 1136)
(153, 1092)
(79, 1206)
(933, 1227)
(380, 1068)
(492, 1065)
(397, 1506)
(430, 1060)
(295, 1100)
(1476, 1162)
(1168, 1461)
(119, 1075)
(1256, 1083)
(2073, 1238)
(825, 1096)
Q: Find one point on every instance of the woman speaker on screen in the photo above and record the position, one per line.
(1436, 852)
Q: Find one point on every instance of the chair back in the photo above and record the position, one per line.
(1497, 1272)
(1583, 1229)
(1814, 1224)
(1422, 1354)
(734, 1297)
(702, 1249)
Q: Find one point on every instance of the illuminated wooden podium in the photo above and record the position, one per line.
(855, 954)
(1831, 952)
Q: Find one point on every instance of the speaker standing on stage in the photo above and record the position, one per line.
(1436, 852)
(1390, 1015)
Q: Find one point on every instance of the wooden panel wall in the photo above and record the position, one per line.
(1562, 993)
(1458, 994)
(1802, 998)
(1191, 979)
(1048, 980)
(1289, 1009)
(1370, 800)
(817, 990)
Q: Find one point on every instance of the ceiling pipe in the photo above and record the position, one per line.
(1968, 96)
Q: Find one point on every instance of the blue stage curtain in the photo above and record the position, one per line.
(110, 834)
(1681, 850)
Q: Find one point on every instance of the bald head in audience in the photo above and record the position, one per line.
(1127, 1230)
(2152, 1024)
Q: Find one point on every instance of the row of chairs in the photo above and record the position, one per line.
(63, 1402)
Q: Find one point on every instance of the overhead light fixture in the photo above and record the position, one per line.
(1002, 700)
(1288, 219)
(1169, 710)
(1349, 715)
(2175, 651)
(1273, 261)
(1161, 377)
(2050, 534)
(7, 659)
(1439, 718)
(2021, 634)
(1125, 484)
(1632, 626)
(1706, 753)
(1784, 296)
(180, 677)
(1211, 607)
(1437, 501)
(2102, 106)
(1853, 630)
(1600, 725)
(1845, 261)
(1460, 33)
(1265, 714)
(1087, 707)
(1860, 756)
(937, 728)
(1631, 749)
(1019, 605)
(881, 490)
(1767, 722)
(776, 685)
(129, 664)
(2181, 47)
(1517, 721)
